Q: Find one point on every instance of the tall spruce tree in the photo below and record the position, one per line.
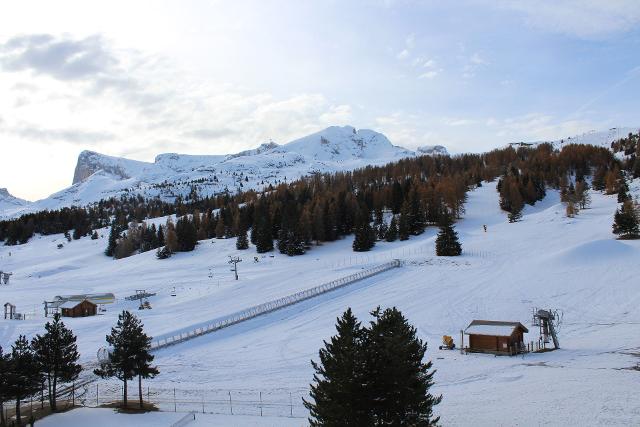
(187, 234)
(56, 354)
(24, 378)
(142, 357)
(337, 392)
(242, 242)
(122, 362)
(365, 236)
(397, 381)
(5, 393)
(114, 235)
(392, 231)
(447, 243)
(625, 221)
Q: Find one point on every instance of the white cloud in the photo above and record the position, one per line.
(429, 74)
(403, 54)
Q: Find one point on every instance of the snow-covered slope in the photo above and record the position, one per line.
(545, 260)
(599, 138)
(98, 176)
(10, 203)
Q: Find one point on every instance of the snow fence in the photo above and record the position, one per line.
(267, 307)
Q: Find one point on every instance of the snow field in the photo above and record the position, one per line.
(546, 261)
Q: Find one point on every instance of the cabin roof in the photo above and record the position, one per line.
(73, 304)
(494, 328)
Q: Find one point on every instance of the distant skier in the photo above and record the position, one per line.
(255, 259)
(485, 227)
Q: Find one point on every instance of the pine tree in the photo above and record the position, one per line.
(187, 235)
(397, 382)
(122, 362)
(114, 235)
(392, 232)
(264, 239)
(24, 378)
(141, 343)
(365, 237)
(447, 243)
(242, 242)
(4, 382)
(403, 226)
(56, 354)
(337, 392)
(625, 221)
(623, 191)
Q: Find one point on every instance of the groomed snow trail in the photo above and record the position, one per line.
(213, 325)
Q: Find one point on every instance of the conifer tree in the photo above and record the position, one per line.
(397, 381)
(114, 235)
(625, 221)
(365, 237)
(392, 232)
(122, 362)
(24, 378)
(623, 191)
(4, 383)
(262, 226)
(447, 243)
(187, 235)
(141, 343)
(242, 242)
(403, 226)
(56, 354)
(337, 392)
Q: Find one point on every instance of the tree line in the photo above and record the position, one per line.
(50, 360)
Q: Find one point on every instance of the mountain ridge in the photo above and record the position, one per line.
(337, 148)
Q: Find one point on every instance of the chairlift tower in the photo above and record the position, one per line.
(234, 260)
(549, 323)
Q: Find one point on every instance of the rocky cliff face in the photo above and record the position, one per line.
(90, 162)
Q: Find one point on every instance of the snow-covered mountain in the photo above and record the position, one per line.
(602, 138)
(8, 202)
(98, 176)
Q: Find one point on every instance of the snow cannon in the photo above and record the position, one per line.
(447, 343)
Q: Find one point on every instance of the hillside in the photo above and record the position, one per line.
(545, 260)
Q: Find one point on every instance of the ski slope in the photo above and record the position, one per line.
(546, 260)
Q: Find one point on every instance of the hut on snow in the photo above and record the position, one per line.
(82, 308)
(496, 337)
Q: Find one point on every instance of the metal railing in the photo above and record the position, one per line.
(267, 307)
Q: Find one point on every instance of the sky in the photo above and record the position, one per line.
(137, 79)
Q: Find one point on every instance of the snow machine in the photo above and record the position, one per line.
(447, 343)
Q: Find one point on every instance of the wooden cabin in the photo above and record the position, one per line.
(82, 308)
(496, 337)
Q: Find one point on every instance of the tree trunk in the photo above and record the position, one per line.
(125, 393)
(53, 395)
(140, 389)
(18, 417)
(2, 423)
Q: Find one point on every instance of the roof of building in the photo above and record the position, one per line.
(493, 328)
(102, 297)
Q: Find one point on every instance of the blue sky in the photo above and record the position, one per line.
(141, 78)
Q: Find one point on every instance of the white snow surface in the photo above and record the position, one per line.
(333, 149)
(102, 417)
(545, 261)
(497, 330)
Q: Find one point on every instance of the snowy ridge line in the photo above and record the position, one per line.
(203, 328)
